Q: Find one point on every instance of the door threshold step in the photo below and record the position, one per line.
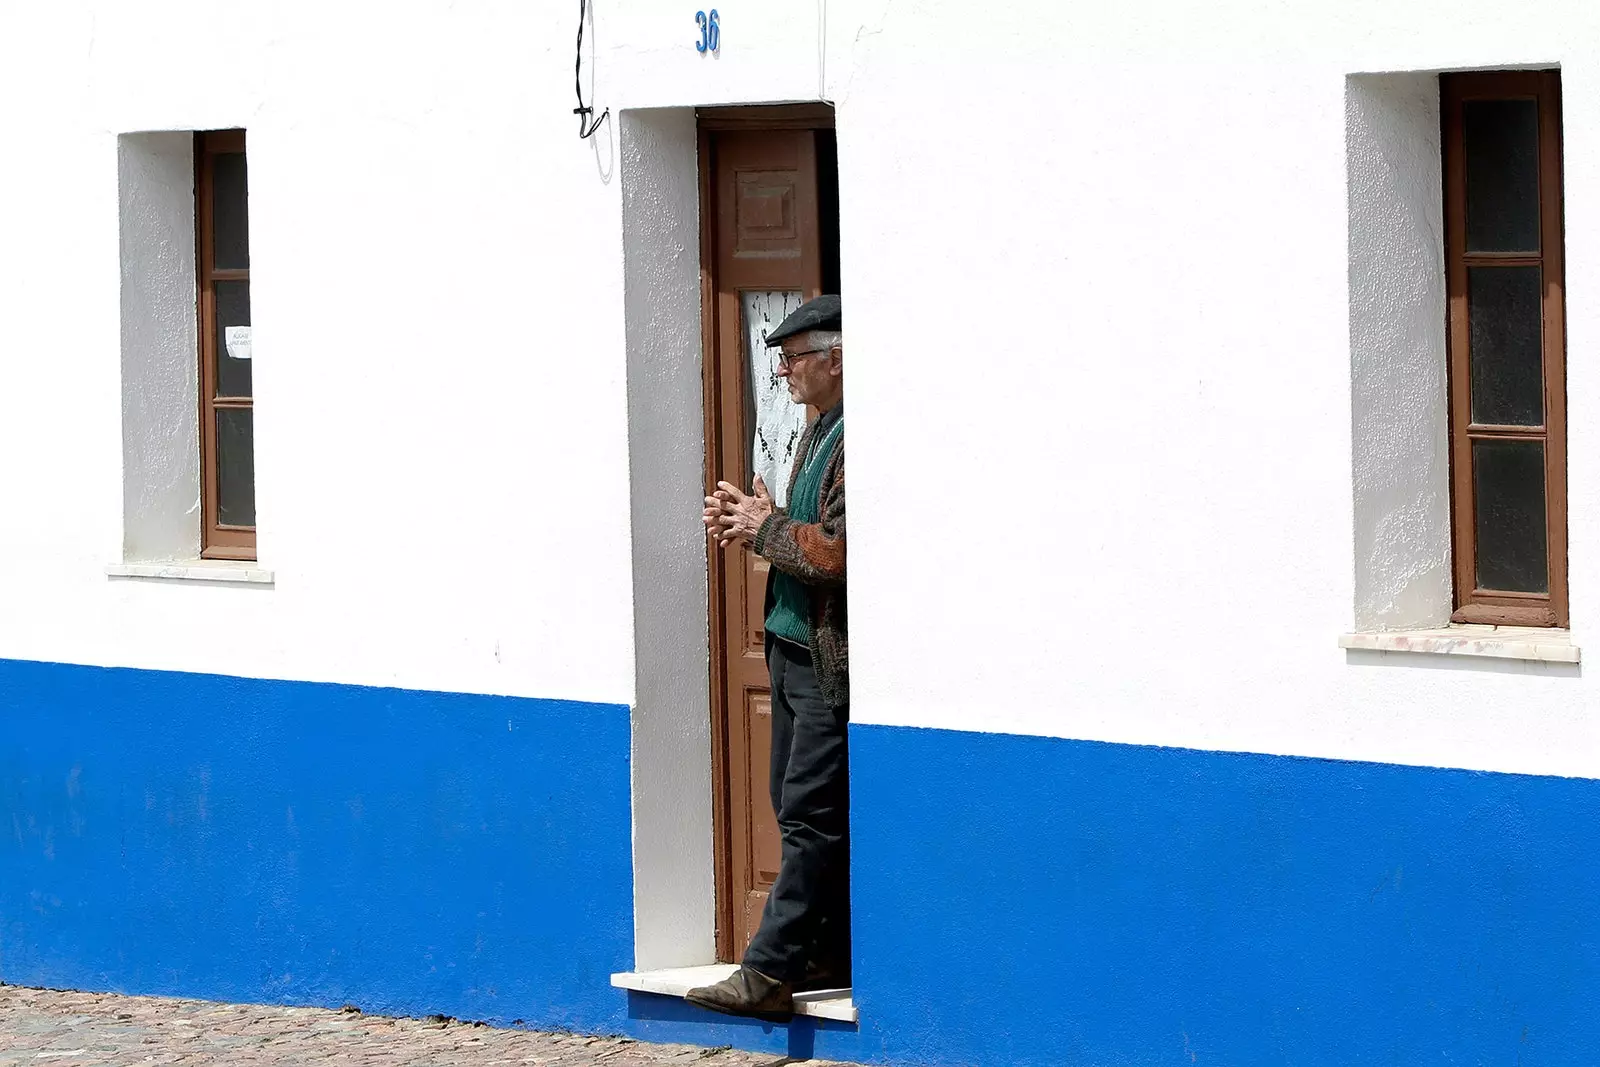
(836, 1004)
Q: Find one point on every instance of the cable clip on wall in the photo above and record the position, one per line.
(586, 128)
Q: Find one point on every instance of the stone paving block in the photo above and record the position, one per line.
(49, 1028)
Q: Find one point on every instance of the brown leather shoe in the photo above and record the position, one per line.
(746, 992)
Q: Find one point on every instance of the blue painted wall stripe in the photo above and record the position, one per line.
(257, 840)
(1018, 900)
(1111, 904)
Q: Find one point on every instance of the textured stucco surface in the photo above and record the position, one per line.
(160, 375)
(1113, 904)
(1099, 266)
(290, 842)
(1141, 215)
(1398, 373)
(674, 889)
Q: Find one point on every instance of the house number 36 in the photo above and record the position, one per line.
(710, 32)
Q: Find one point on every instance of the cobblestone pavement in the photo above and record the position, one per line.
(44, 1028)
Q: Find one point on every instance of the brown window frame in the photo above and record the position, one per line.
(218, 540)
(1474, 604)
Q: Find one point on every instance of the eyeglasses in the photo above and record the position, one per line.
(786, 359)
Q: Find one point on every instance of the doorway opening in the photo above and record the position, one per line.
(769, 210)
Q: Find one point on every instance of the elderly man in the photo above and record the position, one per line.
(804, 939)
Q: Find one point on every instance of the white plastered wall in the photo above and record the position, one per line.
(674, 883)
(439, 324)
(160, 375)
(1398, 373)
(1124, 514)
(1132, 520)
(440, 368)
(451, 352)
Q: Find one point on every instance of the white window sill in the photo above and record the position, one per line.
(676, 981)
(194, 570)
(1494, 642)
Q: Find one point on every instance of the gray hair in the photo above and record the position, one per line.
(827, 339)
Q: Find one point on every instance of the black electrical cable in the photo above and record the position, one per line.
(586, 129)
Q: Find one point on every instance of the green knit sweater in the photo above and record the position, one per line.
(790, 617)
(814, 553)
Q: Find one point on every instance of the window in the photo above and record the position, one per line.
(227, 439)
(1506, 338)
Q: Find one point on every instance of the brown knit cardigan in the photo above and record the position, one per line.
(814, 553)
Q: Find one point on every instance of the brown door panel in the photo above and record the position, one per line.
(755, 598)
(763, 251)
(763, 851)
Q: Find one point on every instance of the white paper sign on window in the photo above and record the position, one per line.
(236, 339)
(779, 421)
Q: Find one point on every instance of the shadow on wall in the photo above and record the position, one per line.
(802, 1030)
(1480, 664)
(592, 129)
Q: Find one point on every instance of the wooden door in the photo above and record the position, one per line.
(763, 252)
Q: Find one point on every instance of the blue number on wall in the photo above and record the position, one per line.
(710, 32)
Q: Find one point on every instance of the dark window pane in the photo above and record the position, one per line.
(233, 361)
(1501, 138)
(1505, 317)
(230, 216)
(236, 467)
(1508, 480)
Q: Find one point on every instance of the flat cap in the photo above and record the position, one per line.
(821, 313)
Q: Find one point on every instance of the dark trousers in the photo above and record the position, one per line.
(807, 916)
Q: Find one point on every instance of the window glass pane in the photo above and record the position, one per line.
(1508, 480)
(236, 467)
(776, 422)
(230, 218)
(1501, 138)
(1505, 317)
(233, 338)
